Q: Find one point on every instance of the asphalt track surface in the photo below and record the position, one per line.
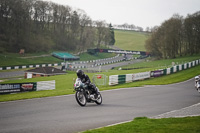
(11, 74)
(110, 66)
(62, 114)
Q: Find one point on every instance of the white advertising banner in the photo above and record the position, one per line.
(138, 76)
(46, 85)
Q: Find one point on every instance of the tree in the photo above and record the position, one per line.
(100, 25)
(36, 25)
(85, 32)
(167, 41)
(192, 33)
(112, 35)
(152, 44)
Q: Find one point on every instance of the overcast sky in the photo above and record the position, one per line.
(141, 13)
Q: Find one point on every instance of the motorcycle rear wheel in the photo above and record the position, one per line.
(80, 98)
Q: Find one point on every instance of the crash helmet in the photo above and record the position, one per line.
(196, 78)
(79, 73)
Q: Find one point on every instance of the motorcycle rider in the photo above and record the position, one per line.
(86, 80)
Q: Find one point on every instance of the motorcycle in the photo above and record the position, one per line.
(197, 83)
(84, 95)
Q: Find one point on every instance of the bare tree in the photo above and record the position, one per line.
(176, 36)
(100, 25)
(36, 25)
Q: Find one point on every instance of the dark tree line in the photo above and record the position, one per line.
(126, 26)
(176, 37)
(37, 26)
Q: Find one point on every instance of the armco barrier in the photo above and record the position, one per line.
(119, 79)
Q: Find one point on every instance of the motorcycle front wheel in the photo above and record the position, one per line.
(80, 98)
(99, 99)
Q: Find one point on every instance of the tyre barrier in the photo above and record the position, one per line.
(29, 66)
(94, 65)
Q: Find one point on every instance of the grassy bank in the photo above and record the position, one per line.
(130, 40)
(158, 64)
(145, 125)
(14, 59)
(86, 56)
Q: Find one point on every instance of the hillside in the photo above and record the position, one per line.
(127, 40)
(130, 40)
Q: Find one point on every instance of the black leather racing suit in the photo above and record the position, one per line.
(86, 80)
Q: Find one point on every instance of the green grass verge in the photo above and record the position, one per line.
(14, 59)
(63, 87)
(130, 40)
(146, 125)
(150, 64)
(87, 57)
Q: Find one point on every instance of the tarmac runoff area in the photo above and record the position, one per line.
(193, 110)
